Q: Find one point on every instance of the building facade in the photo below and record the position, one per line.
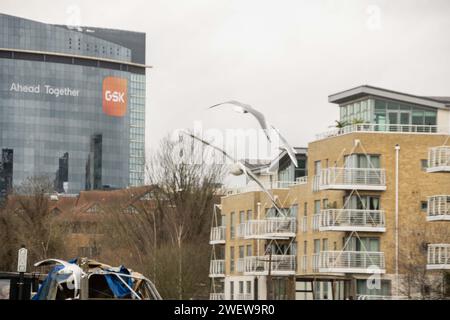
(72, 105)
(370, 220)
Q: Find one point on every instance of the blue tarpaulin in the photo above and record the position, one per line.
(118, 288)
(45, 286)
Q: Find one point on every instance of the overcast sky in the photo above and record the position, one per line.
(283, 57)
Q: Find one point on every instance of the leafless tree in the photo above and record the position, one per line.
(416, 281)
(26, 219)
(167, 237)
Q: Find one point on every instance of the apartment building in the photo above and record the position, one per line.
(369, 220)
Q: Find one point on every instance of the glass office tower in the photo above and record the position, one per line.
(72, 105)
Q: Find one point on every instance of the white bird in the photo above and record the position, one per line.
(287, 147)
(245, 108)
(239, 168)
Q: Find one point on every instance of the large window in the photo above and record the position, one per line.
(363, 202)
(384, 112)
(393, 113)
(359, 111)
(362, 161)
(366, 287)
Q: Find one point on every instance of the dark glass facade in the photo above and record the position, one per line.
(72, 105)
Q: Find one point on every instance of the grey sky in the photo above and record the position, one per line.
(283, 57)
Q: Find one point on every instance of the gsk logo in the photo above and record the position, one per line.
(115, 96)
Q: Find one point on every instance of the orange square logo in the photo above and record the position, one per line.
(115, 96)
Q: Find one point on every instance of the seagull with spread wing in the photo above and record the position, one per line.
(245, 108)
(238, 168)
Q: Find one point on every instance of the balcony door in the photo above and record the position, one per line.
(370, 244)
(399, 117)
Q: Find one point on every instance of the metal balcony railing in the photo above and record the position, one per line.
(379, 297)
(240, 266)
(388, 128)
(302, 180)
(217, 268)
(352, 262)
(269, 228)
(352, 178)
(280, 265)
(269, 186)
(438, 256)
(217, 296)
(438, 208)
(352, 220)
(217, 235)
(243, 296)
(439, 159)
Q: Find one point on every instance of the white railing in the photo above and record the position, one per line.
(217, 235)
(241, 228)
(217, 296)
(240, 266)
(243, 296)
(352, 220)
(352, 178)
(439, 159)
(269, 186)
(393, 128)
(315, 222)
(269, 228)
(438, 208)
(279, 265)
(305, 224)
(352, 262)
(304, 263)
(217, 268)
(438, 256)
(379, 297)
(302, 180)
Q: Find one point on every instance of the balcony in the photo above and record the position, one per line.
(438, 257)
(217, 235)
(388, 128)
(351, 262)
(380, 297)
(243, 296)
(217, 296)
(269, 228)
(281, 265)
(276, 185)
(352, 220)
(240, 265)
(438, 208)
(351, 178)
(439, 159)
(217, 268)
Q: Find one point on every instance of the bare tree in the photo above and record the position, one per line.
(167, 237)
(26, 219)
(416, 281)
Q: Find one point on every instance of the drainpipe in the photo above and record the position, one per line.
(397, 155)
(258, 207)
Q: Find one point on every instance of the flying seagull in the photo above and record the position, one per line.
(245, 108)
(287, 147)
(238, 169)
